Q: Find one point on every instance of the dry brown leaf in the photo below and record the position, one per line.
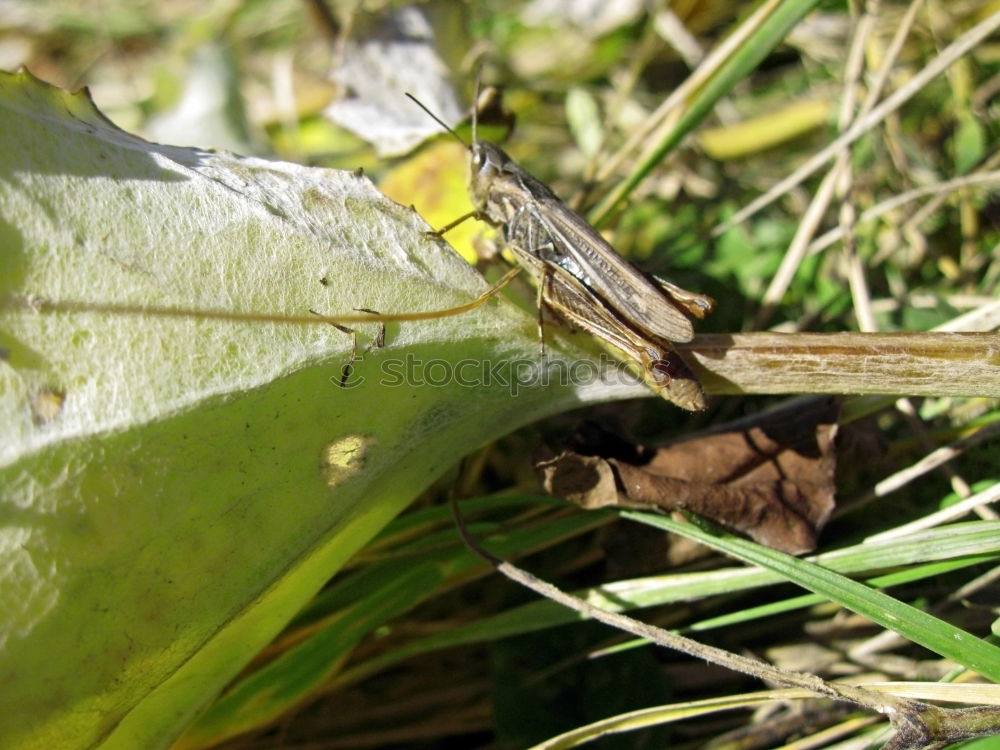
(771, 478)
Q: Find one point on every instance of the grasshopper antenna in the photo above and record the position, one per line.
(442, 123)
(475, 104)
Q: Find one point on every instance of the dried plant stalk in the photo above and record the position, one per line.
(915, 364)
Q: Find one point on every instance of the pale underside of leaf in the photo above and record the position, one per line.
(192, 483)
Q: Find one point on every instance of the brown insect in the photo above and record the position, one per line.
(579, 276)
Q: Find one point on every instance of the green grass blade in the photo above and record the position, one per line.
(732, 72)
(960, 542)
(919, 627)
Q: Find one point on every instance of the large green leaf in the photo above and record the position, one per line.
(203, 478)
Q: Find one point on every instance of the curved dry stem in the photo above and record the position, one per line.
(916, 724)
(914, 364)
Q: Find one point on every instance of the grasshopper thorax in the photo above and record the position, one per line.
(499, 188)
(489, 167)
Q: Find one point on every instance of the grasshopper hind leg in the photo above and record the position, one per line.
(670, 375)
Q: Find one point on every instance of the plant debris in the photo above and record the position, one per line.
(771, 478)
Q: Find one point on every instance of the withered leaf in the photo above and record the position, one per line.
(771, 477)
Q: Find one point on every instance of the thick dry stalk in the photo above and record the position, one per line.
(914, 364)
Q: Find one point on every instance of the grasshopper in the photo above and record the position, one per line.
(578, 274)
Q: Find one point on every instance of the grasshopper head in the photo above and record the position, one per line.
(488, 167)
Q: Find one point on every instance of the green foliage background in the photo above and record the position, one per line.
(184, 530)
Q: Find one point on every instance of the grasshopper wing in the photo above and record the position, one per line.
(585, 254)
